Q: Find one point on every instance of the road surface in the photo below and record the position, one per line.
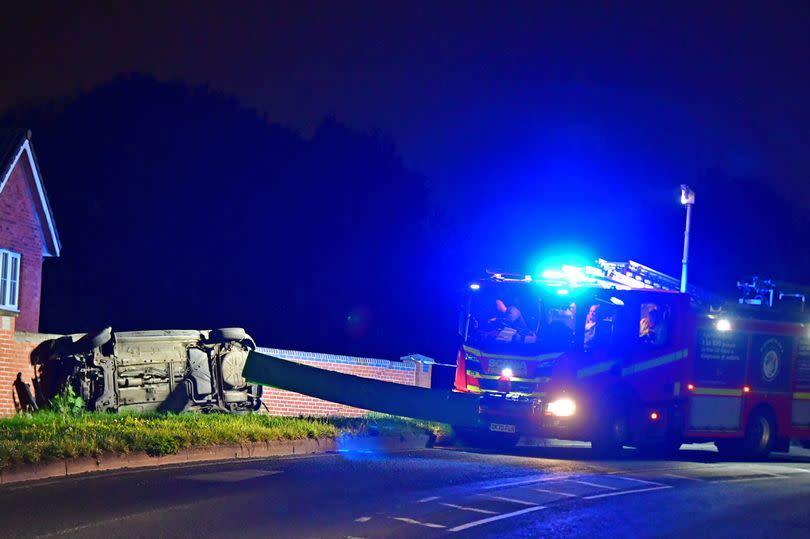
(528, 492)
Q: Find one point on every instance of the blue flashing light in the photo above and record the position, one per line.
(475, 286)
(562, 291)
(553, 274)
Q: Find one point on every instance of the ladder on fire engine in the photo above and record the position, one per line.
(635, 275)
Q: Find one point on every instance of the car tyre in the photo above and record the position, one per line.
(93, 340)
(227, 334)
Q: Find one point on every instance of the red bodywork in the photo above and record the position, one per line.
(699, 384)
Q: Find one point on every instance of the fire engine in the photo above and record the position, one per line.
(616, 355)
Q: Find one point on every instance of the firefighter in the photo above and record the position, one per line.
(653, 329)
(591, 321)
(509, 322)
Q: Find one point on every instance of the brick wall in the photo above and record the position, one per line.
(20, 231)
(287, 403)
(15, 357)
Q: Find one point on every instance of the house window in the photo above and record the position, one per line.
(9, 280)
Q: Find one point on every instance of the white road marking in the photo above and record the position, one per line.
(528, 482)
(555, 492)
(428, 499)
(498, 517)
(412, 521)
(473, 509)
(622, 492)
(362, 519)
(231, 476)
(592, 484)
(637, 480)
(512, 500)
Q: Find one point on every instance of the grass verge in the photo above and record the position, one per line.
(47, 435)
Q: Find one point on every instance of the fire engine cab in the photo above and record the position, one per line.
(614, 354)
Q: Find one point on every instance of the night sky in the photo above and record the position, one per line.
(537, 129)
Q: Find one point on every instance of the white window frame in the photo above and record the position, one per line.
(7, 302)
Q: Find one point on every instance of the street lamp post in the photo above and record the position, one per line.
(688, 200)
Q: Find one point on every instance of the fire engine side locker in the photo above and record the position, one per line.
(714, 390)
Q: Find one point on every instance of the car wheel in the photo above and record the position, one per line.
(91, 341)
(227, 334)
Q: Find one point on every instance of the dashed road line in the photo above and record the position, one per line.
(498, 517)
(362, 519)
(414, 521)
(512, 500)
(428, 499)
(473, 509)
(622, 492)
(527, 482)
(592, 484)
(637, 480)
(555, 492)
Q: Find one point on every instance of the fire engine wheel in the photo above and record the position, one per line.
(611, 431)
(760, 435)
(759, 439)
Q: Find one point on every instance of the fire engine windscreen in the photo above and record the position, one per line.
(518, 318)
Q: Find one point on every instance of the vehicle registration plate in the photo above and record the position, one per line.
(500, 427)
(497, 365)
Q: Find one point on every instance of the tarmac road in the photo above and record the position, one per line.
(554, 491)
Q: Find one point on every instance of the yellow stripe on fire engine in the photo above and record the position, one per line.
(605, 366)
(512, 379)
(476, 352)
(595, 369)
(801, 396)
(655, 362)
(717, 392)
(474, 389)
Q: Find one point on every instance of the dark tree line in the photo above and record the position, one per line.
(179, 208)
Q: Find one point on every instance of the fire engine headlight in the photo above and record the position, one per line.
(562, 407)
(507, 373)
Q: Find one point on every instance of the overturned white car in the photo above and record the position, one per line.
(161, 370)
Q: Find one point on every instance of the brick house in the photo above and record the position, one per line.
(27, 235)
